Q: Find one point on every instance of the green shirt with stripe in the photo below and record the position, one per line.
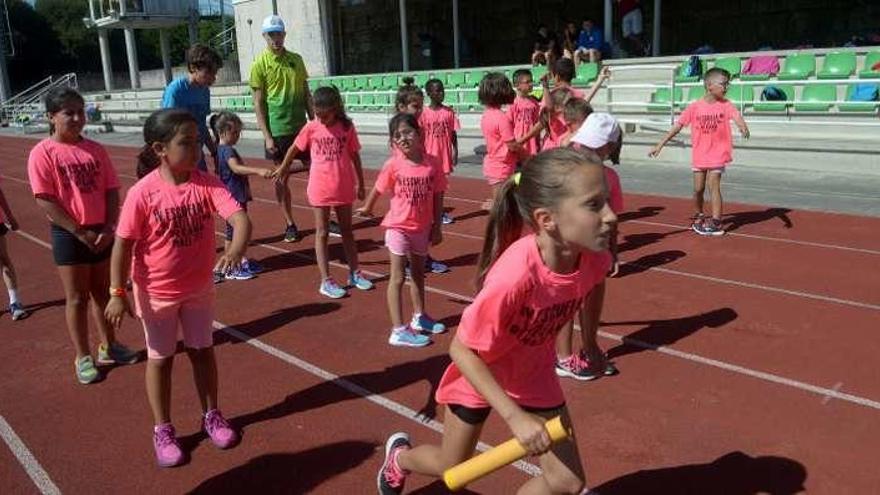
(282, 78)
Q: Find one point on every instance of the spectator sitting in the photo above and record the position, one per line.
(589, 44)
(569, 40)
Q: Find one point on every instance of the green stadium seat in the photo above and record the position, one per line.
(695, 93)
(856, 106)
(352, 100)
(470, 99)
(740, 94)
(374, 82)
(871, 59)
(814, 98)
(776, 106)
(660, 101)
(421, 79)
(391, 82)
(455, 79)
(383, 100)
(474, 77)
(679, 74)
(314, 84)
(368, 100)
(586, 74)
(361, 83)
(838, 65)
(730, 64)
(801, 66)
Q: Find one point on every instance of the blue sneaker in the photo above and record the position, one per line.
(251, 266)
(446, 218)
(357, 280)
(425, 323)
(291, 233)
(407, 337)
(434, 266)
(116, 353)
(332, 290)
(17, 311)
(239, 274)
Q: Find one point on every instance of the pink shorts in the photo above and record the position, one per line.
(494, 181)
(163, 317)
(403, 243)
(710, 170)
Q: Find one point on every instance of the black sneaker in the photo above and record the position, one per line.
(712, 227)
(333, 229)
(391, 476)
(697, 225)
(291, 233)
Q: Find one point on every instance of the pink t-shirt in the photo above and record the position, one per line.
(557, 130)
(499, 162)
(524, 114)
(438, 126)
(332, 177)
(711, 138)
(513, 321)
(412, 186)
(615, 192)
(77, 176)
(173, 227)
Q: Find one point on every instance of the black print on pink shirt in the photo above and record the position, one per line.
(439, 130)
(85, 176)
(416, 190)
(525, 114)
(534, 329)
(185, 223)
(329, 147)
(709, 122)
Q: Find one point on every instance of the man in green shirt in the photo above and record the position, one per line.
(282, 102)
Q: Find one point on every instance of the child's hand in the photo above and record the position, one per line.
(436, 234)
(267, 173)
(605, 73)
(655, 151)
(529, 430)
(88, 238)
(12, 222)
(745, 133)
(363, 211)
(103, 241)
(228, 262)
(116, 310)
(280, 174)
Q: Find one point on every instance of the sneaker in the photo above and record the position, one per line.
(116, 354)
(697, 225)
(355, 279)
(424, 323)
(168, 451)
(251, 266)
(86, 372)
(331, 289)
(712, 227)
(408, 337)
(239, 274)
(333, 229)
(218, 429)
(391, 476)
(610, 369)
(219, 277)
(434, 266)
(291, 233)
(575, 367)
(446, 219)
(17, 311)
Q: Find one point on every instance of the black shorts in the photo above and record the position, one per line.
(229, 230)
(282, 144)
(68, 250)
(3, 229)
(478, 415)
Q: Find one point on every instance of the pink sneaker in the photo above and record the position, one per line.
(168, 452)
(391, 476)
(219, 430)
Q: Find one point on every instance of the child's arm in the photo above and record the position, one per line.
(603, 76)
(454, 148)
(588, 317)
(239, 168)
(671, 134)
(741, 125)
(359, 170)
(105, 238)
(120, 264)
(59, 217)
(367, 209)
(241, 234)
(283, 170)
(527, 428)
(436, 231)
(10, 218)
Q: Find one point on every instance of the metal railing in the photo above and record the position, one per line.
(26, 108)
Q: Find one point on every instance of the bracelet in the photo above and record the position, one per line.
(117, 292)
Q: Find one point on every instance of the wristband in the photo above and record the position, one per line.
(117, 292)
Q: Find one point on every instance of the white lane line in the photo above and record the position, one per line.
(27, 460)
(356, 389)
(837, 386)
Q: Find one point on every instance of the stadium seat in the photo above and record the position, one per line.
(455, 79)
(314, 84)
(361, 83)
(775, 106)
(695, 93)
(660, 99)
(856, 106)
(814, 98)
(470, 99)
(741, 95)
(538, 72)
(679, 74)
(390, 82)
(474, 77)
(838, 65)
(871, 59)
(730, 64)
(801, 66)
(374, 82)
(421, 79)
(586, 74)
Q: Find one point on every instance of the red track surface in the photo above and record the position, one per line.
(760, 328)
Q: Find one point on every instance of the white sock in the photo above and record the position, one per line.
(399, 329)
(13, 296)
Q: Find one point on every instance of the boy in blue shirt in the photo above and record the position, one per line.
(191, 92)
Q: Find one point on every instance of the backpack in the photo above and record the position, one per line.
(864, 92)
(772, 93)
(693, 67)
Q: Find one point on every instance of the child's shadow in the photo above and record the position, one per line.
(649, 261)
(734, 221)
(643, 212)
(275, 320)
(635, 241)
(659, 333)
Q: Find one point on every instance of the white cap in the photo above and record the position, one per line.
(599, 129)
(273, 24)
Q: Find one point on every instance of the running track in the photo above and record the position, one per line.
(748, 364)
